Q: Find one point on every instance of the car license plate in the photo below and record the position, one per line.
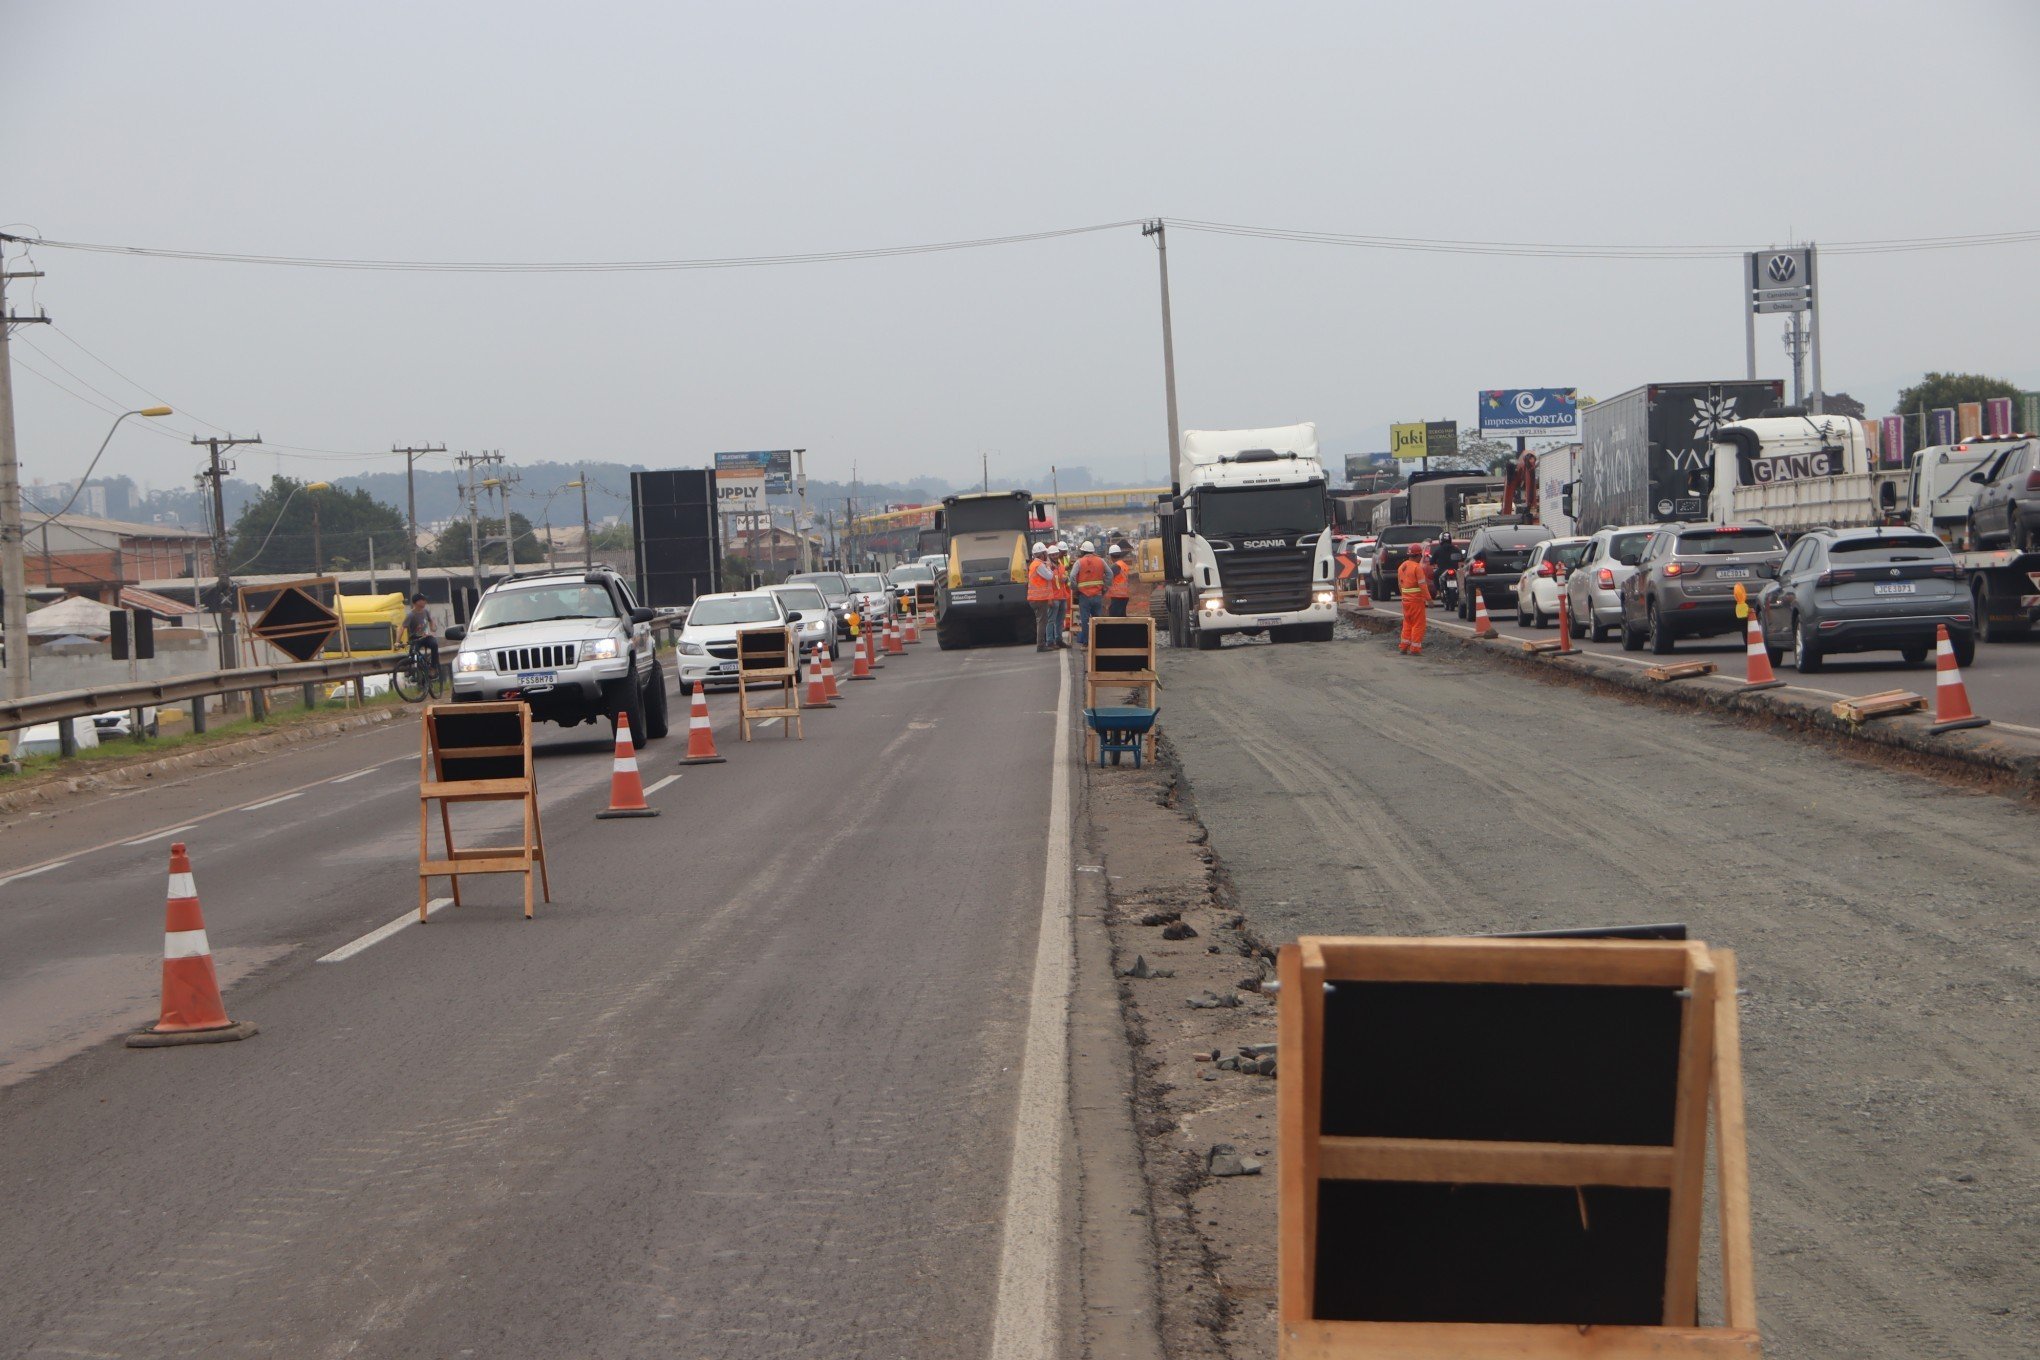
(1902, 588)
(533, 679)
(1733, 573)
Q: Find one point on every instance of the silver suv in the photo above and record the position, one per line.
(574, 646)
(1685, 581)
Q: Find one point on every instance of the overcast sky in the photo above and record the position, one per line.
(525, 132)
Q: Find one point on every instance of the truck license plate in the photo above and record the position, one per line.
(1905, 588)
(531, 679)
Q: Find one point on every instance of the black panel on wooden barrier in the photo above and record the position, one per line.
(457, 729)
(1491, 1253)
(1503, 1062)
(678, 545)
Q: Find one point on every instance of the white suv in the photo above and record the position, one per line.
(574, 646)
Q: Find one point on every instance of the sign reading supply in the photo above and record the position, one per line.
(1529, 410)
(740, 492)
(776, 465)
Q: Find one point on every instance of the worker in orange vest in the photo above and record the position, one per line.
(1119, 589)
(1088, 579)
(1413, 579)
(1041, 594)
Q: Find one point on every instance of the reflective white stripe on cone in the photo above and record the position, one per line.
(700, 739)
(192, 1012)
(1951, 696)
(626, 790)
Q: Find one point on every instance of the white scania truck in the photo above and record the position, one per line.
(1247, 538)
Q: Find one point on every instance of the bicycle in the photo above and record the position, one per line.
(417, 675)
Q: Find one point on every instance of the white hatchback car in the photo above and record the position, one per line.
(1537, 587)
(707, 646)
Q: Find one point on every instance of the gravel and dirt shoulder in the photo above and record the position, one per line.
(1885, 924)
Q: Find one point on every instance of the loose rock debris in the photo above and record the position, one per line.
(1224, 1160)
(1141, 969)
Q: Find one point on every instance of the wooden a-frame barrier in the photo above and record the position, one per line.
(1564, 1219)
(478, 753)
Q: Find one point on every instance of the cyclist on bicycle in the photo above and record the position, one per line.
(418, 631)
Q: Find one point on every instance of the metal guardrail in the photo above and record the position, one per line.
(80, 703)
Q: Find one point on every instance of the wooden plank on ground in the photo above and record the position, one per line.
(1881, 705)
(1681, 670)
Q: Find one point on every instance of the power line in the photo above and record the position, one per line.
(1369, 241)
(569, 266)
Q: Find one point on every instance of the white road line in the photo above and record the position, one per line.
(159, 836)
(669, 779)
(381, 933)
(257, 807)
(31, 873)
(1024, 1324)
(356, 775)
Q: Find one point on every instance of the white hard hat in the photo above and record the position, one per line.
(1041, 548)
(1086, 546)
(1115, 550)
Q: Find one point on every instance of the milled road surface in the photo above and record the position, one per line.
(1885, 926)
(747, 1087)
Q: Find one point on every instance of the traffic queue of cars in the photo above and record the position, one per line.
(1833, 591)
(824, 608)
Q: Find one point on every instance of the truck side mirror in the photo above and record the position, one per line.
(1565, 501)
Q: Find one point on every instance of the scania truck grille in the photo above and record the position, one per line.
(1265, 583)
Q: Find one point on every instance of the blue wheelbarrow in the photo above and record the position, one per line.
(1120, 730)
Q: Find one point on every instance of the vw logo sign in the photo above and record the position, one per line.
(1528, 403)
(1782, 268)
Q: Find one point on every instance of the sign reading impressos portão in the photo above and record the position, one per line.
(1530, 410)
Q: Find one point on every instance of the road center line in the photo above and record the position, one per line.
(669, 779)
(159, 836)
(257, 807)
(31, 873)
(1024, 1324)
(381, 933)
(356, 775)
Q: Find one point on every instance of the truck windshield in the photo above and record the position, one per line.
(981, 514)
(1261, 510)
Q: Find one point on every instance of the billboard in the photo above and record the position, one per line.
(1530, 410)
(1998, 415)
(775, 464)
(1942, 422)
(1779, 280)
(1424, 439)
(2029, 413)
(1969, 419)
(740, 491)
(678, 546)
(1891, 448)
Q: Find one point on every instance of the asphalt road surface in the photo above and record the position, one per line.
(1885, 927)
(748, 1086)
(2003, 682)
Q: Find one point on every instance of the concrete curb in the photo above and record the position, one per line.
(129, 776)
(2001, 756)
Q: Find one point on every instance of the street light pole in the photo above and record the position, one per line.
(1155, 229)
(587, 534)
(800, 520)
(13, 565)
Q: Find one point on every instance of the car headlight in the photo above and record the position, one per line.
(812, 625)
(467, 663)
(692, 649)
(600, 649)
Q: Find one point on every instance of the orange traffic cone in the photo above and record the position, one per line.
(1951, 696)
(817, 691)
(893, 645)
(1483, 626)
(1760, 675)
(874, 647)
(1360, 596)
(192, 1012)
(829, 690)
(700, 741)
(911, 628)
(626, 790)
(860, 660)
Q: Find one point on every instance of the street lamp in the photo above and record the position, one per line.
(13, 562)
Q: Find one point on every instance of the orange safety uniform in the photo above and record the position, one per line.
(1041, 582)
(1412, 578)
(1089, 577)
(1121, 586)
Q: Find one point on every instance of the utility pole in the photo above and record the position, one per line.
(411, 503)
(1155, 229)
(985, 471)
(800, 519)
(470, 485)
(216, 473)
(1813, 311)
(503, 485)
(13, 563)
(587, 534)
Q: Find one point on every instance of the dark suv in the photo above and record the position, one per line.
(1684, 586)
(1494, 561)
(1395, 544)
